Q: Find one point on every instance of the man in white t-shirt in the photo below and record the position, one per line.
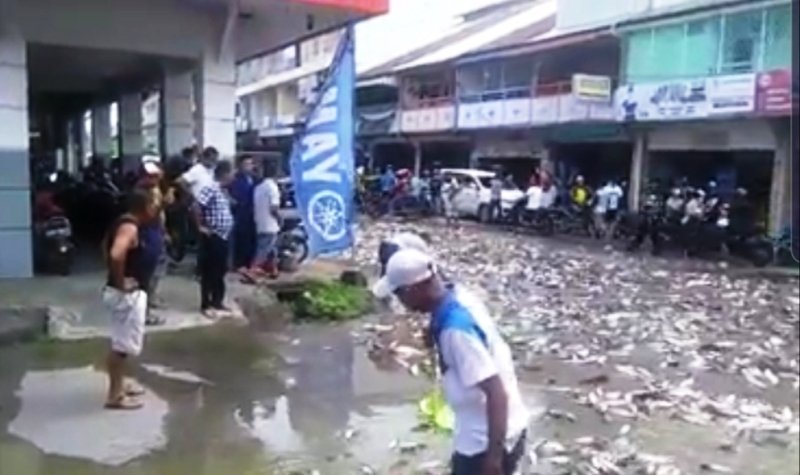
(266, 213)
(478, 376)
(201, 174)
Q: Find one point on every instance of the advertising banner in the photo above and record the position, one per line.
(687, 99)
(774, 93)
(322, 160)
(591, 88)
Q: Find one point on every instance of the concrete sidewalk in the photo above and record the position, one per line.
(74, 310)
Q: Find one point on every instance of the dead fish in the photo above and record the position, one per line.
(715, 468)
(561, 415)
(176, 375)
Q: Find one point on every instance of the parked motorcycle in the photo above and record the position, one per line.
(292, 243)
(539, 220)
(53, 249)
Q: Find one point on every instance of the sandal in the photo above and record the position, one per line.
(124, 403)
(153, 321)
(134, 390)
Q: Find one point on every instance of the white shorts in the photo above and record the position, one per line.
(128, 313)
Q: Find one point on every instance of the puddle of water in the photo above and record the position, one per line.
(221, 401)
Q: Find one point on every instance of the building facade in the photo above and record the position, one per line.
(59, 60)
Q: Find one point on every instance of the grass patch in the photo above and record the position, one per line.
(331, 301)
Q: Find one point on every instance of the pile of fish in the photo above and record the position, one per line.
(692, 340)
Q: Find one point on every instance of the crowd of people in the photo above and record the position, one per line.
(235, 213)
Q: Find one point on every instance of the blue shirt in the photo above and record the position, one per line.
(388, 181)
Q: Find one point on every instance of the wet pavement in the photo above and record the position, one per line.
(631, 365)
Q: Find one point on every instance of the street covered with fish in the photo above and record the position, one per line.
(643, 365)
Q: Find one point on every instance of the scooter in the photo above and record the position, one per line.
(538, 220)
(292, 243)
(54, 250)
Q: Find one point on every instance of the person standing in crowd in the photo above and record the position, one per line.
(580, 194)
(201, 174)
(153, 235)
(388, 182)
(495, 198)
(266, 214)
(436, 191)
(607, 207)
(475, 363)
(244, 232)
(215, 223)
(450, 189)
(197, 178)
(128, 261)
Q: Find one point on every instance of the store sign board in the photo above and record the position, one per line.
(686, 99)
(733, 94)
(774, 93)
(364, 6)
(427, 119)
(587, 87)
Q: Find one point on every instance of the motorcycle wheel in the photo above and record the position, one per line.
(62, 264)
(761, 254)
(297, 247)
(547, 226)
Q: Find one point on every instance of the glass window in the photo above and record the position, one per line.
(778, 47)
(518, 77)
(701, 51)
(493, 77)
(470, 81)
(639, 57)
(667, 52)
(741, 45)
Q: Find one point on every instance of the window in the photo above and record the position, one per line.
(496, 80)
(639, 55)
(668, 51)
(741, 44)
(702, 47)
(778, 37)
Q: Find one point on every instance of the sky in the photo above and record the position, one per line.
(408, 25)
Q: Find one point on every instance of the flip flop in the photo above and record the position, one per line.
(134, 390)
(153, 321)
(124, 403)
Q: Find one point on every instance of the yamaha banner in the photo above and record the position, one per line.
(322, 161)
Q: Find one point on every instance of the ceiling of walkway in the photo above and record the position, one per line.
(57, 70)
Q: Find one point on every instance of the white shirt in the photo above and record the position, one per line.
(198, 177)
(534, 194)
(470, 361)
(613, 195)
(266, 198)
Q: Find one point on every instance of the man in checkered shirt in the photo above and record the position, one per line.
(215, 222)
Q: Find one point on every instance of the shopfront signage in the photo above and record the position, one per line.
(774, 93)
(687, 99)
(364, 6)
(591, 88)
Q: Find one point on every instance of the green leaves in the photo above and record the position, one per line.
(435, 413)
(332, 301)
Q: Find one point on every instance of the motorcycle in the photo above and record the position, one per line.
(538, 220)
(54, 250)
(571, 220)
(292, 243)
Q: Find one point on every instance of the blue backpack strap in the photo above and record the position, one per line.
(454, 316)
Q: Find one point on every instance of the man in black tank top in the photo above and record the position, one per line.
(125, 296)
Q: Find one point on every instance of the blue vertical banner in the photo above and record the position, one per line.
(322, 161)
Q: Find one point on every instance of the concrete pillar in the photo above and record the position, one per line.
(16, 257)
(216, 102)
(176, 107)
(780, 203)
(101, 131)
(640, 164)
(130, 129)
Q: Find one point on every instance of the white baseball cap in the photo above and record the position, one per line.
(407, 240)
(406, 267)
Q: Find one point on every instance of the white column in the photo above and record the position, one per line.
(216, 103)
(176, 102)
(16, 257)
(780, 203)
(101, 131)
(639, 171)
(130, 129)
